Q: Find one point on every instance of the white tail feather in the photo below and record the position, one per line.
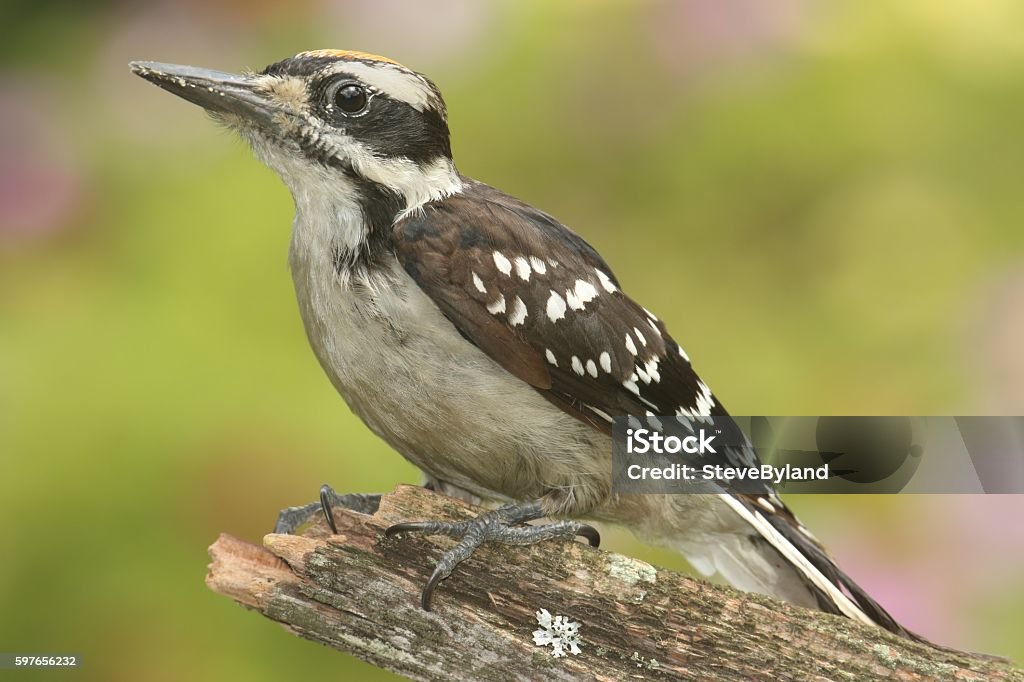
(797, 559)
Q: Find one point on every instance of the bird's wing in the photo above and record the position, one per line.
(544, 305)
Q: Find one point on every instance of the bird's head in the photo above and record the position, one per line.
(330, 116)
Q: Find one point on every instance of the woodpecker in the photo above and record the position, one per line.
(483, 340)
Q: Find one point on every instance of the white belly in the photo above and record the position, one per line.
(440, 401)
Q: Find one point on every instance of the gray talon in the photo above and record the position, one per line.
(326, 495)
(492, 526)
(290, 519)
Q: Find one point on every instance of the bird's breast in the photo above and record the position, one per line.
(436, 398)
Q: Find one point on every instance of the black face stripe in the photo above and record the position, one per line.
(380, 206)
(390, 127)
(420, 136)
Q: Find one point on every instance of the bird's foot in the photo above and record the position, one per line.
(493, 526)
(292, 518)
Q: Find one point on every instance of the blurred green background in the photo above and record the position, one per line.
(822, 200)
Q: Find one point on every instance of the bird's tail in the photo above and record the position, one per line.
(759, 546)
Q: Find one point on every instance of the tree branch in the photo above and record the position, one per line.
(359, 593)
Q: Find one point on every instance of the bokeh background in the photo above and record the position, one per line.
(822, 199)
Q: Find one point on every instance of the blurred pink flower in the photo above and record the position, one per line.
(695, 35)
(942, 562)
(40, 181)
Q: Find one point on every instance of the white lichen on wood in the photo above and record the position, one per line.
(558, 632)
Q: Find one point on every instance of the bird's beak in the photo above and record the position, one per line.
(215, 91)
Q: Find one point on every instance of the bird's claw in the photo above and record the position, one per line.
(290, 519)
(493, 526)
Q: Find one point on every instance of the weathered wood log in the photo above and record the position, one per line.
(359, 593)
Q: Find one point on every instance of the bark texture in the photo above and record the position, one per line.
(359, 593)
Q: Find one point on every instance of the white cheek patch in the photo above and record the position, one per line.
(417, 184)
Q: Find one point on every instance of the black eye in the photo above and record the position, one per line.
(350, 99)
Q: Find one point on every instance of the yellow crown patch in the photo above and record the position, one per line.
(348, 54)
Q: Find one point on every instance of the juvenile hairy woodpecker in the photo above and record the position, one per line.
(483, 340)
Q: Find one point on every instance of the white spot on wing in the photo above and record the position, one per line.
(479, 284)
(606, 361)
(573, 300)
(606, 281)
(522, 268)
(538, 265)
(682, 354)
(555, 307)
(652, 369)
(640, 336)
(630, 346)
(577, 366)
(497, 307)
(591, 368)
(585, 291)
(631, 385)
(550, 356)
(518, 312)
(502, 263)
(704, 401)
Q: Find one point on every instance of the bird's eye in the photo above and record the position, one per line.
(350, 99)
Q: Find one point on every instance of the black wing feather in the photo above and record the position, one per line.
(605, 356)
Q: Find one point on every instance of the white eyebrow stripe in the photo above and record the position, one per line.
(393, 81)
